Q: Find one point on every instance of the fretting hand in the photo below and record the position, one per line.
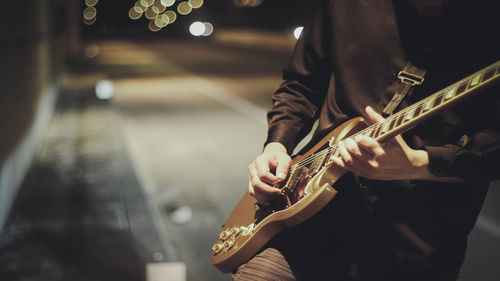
(391, 160)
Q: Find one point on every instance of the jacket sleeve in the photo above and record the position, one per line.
(476, 155)
(306, 79)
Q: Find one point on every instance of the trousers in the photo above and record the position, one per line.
(351, 239)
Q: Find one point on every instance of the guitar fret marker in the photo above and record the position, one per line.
(449, 94)
(475, 81)
(428, 105)
(409, 115)
(385, 127)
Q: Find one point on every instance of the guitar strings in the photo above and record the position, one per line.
(334, 147)
(374, 127)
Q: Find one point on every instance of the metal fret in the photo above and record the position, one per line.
(385, 127)
(400, 120)
(316, 163)
(293, 177)
(392, 124)
(434, 101)
(461, 88)
(489, 74)
(328, 155)
(418, 111)
(438, 101)
(377, 131)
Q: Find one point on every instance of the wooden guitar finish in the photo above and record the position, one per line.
(308, 187)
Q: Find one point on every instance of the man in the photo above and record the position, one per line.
(406, 209)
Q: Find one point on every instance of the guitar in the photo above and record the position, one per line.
(309, 184)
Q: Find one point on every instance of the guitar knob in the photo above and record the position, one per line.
(229, 244)
(225, 234)
(217, 247)
(237, 230)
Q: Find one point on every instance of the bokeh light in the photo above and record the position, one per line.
(197, 28)
(140, 6)
(297, 32)
(135, 13)
(89, 22)
(209, 29)
(150, 13)
(159, 6)
(171, 15)
(89, 13)
(160, 21)
(167, 3)
(153, 27)
(247, 3)
(147, 3)
(91, 51)
(195, 3)
(165, 19)
(104, 89)
(91, 3)
(184, 8)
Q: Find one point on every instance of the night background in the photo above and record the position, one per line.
(123, 149)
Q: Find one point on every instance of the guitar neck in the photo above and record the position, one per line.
(409, 117)
(405, 119)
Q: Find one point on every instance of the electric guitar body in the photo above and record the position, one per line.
(251, 225)
(310, 184)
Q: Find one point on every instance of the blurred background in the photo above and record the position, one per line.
(126, 129)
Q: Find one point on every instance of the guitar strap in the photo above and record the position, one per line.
(408, 77)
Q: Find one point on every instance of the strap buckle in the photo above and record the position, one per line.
(410, 78)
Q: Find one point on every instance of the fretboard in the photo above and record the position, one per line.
(409, 117)
(403, 120)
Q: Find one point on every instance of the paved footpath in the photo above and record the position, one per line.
(80, 213)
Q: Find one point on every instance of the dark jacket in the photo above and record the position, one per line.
(347, 58)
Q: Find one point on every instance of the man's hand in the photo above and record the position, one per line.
(267, 169)
(392, 160)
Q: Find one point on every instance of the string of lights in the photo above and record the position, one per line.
(90, 12)
(161, 13)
